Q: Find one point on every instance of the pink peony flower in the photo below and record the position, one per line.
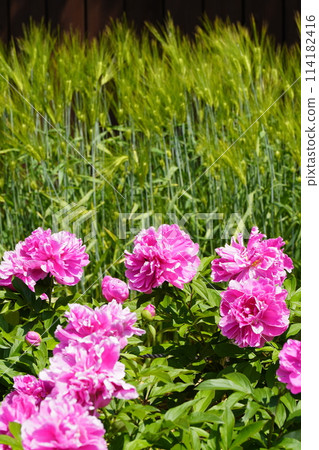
(114, 289)
(289, 371)
(109, 320)
(261, 258)
(30, 385)
(89, 372)
(16, 407)
(12, 265)
(60, 255)
(167, 254)
(151, 309)
(62, 425)
(33, 338)
(253, 312)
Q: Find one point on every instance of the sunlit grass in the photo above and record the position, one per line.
(151, 114)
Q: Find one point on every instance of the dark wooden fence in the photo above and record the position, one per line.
(91, 16)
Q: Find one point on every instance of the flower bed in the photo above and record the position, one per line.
(211, 364)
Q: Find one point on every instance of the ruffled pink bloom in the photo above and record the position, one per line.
(167, 254)
(16, 407)
(289, 371)
(60, 255)
(151, 309)
(253, 312)
(114, 289)
(62, 425)
(12, 265)
(88, 372)
(109, 320)
(33, 338)
(30, 385)
(261, 258)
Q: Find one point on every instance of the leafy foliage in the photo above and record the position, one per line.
(196, 389)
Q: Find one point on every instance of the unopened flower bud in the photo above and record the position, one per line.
(114, 289)
(149, 312)
(33, 338)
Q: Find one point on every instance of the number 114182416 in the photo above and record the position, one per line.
(310, 47)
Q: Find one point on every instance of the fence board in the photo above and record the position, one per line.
(21, 11)
(140, 11)
(223, 9)
(291, 33)
(269, 12)
(4, 22)
(91, 16)
(66, 14)
(185, 13)
(99, 14)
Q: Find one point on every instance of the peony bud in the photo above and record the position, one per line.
(33, 338)
(114, 289)
(149, 312)
(151, 309)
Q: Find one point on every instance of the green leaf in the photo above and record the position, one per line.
(174, 413)
(156, 371)
(12, 318)
(204, 417)
(205, 399)
(235, 382)
(15, 429)
(152, 331)
(280, 415)
(194, 440)
(289, 402)
(23, 289)
(168, 388)
(42, 356)
(233, 399)
(28, 295)
(7, 440)
(247, 432)
(240, 380)
(293, 329)
(14, 444)
(290, 284)
(137, 444)
(228, 350)
(294, 435)
(44, 286)
(226, 430)
(211, 296)
(204, 264)
(287, 444)
(250, 410)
